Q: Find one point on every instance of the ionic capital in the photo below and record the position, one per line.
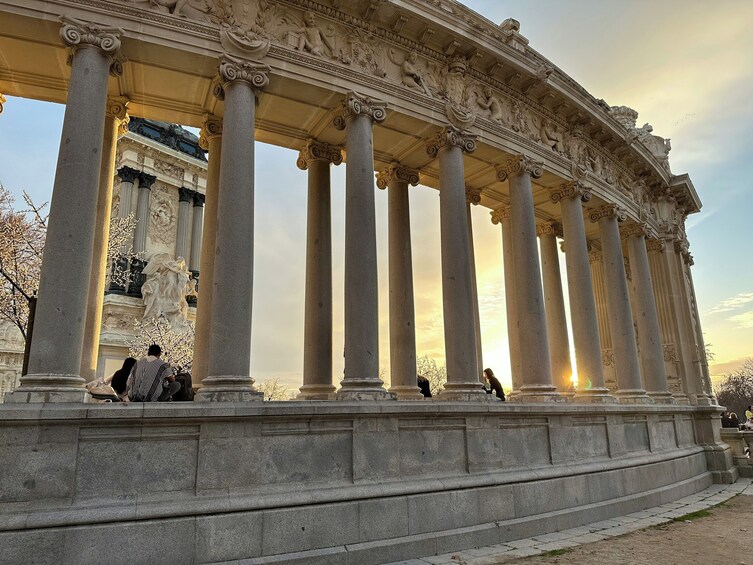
(77, 34)
(232, 69)
(117, 108)
(520, 165)
(185, 194)
(607, 211)
(595, 257)
(146, 180)
(127, 174)
(451, 137)
(2, 101)
(634, 230)
(396, 172)
(318, 151)
(211, 128)
(356, 104)
(572, 189)
(549, 228)
(473, 195)
(500, 214)
(655, 245)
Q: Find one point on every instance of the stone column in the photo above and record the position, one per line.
(630, 387)
(317, 157)
(229, 365)
(502, 216)
(56, 349)
(556, 321)
(582, 304)
(530, 316)
(596, 262)
(457, 294)
(210, 140)
(139, 238)
(396, 179)
(197, 233)
(127, 176)
(361, 379)
(701, 345)
(646, 316)
(473, 196)
(116, 123)
(185, 196)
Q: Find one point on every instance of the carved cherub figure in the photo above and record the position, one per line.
(550, 136)
(491, 104)
(410, 73)
(311, 37)
(191, 9)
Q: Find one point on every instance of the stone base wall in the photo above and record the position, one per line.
(332, 482)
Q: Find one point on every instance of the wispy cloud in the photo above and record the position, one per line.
(744, 320)
(732, 303)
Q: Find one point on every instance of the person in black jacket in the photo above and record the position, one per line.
(424, 385)
(120, 377)
(494, 385)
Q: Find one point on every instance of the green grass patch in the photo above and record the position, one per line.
(692, 516)
(556, 552)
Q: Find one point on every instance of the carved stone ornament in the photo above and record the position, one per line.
(655, 245)
(232, 69)
(396, 172)
(162, 216)
(356, 104)
(500, 214)
(2, 101)
(595, 257)
(572, 189)
(318, 150)
(520, 165)
(127, 174)
(473, 195)
(634, 230)
(243, 42)
(212, 127)
(607, 211)
(451, 137)
(549, 228)
(117, 108)
(607, 357)
(76, 34)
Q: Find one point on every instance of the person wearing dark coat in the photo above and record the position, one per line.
(494, 385)
(120, 377)
(424, 385)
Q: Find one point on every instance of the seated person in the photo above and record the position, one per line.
(152, 379)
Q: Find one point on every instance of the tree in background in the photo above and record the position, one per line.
(735, 392)
(120, 251)
(273, 390)
(427, 367)
(177, 345)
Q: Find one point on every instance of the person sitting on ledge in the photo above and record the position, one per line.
(733, 421)
(494, 385)
(119, 379)
(424, 385)
(152, 379)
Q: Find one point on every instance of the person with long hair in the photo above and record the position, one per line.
(120, 377)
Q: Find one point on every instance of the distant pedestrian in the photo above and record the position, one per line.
(424, 385)
(725, 420)
(733, 421)
(152, 379)
(494, 385)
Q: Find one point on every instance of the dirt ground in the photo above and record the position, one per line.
(725, 537)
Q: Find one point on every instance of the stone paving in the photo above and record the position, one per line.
(597, 531)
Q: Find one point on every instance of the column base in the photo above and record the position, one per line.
(363, 389)
(633, 397)
(594, 396)
(472, 391)
(681, 399)
(228, 388)
(316, 392)
(48, 388)
(407, 392)
(538, 393)
(699, 400)
(662, 397)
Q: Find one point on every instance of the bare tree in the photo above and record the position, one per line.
(273, 390)
(427, 367)
(120, 251)
(177, 345)
(735, 392)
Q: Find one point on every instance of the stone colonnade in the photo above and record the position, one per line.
(659, 295)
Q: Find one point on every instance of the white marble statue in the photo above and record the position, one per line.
(167, 284)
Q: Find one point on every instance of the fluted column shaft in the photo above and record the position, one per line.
(127, 176)
(396, 179)
(502, 216)
(211, 140)
(646, 316)
(457, 294)
(701, 345)
(317, 335)
(473, 197)
(197, 232)
(582, 305)
(185, 196)
(361, 378)
(142, 212)
(229, 364)
(116, 123)
(596, 259)
(627, 365)
(535, 368)
(57, 345)
(559, 342)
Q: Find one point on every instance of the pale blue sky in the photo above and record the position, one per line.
(683, 64)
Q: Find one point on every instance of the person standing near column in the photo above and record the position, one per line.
(57, 346)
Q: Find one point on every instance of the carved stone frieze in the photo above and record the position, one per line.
(397, 172)
(359, 105)
(451, 137)
(169, 169)
(499, 214)
(162, 214)
(607, 211)
(318, 150)
(522, 164)
(572, 189)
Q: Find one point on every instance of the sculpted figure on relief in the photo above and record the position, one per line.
(490, 105)
(191, 9)
(550, 136)
(410, 73)
(167, 284)
(311, 38)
